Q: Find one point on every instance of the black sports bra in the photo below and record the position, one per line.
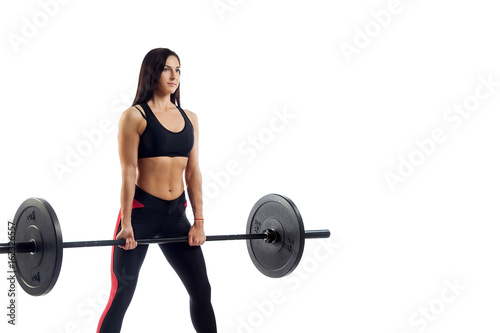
(156, 140)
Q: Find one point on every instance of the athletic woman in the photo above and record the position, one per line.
(158, 143)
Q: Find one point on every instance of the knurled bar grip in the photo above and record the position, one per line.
(161, 240)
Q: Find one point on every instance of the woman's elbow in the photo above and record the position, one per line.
(128, 172)
(192, 175)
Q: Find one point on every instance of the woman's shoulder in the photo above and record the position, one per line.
(134, 115)
(134, 111)
(189, 112)
(191, 115)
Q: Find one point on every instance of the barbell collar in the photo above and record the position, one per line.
(23, 247)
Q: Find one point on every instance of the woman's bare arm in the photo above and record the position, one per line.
(194, 186)
(128, 143)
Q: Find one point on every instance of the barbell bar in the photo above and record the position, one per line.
(275, 241)
(268, 236)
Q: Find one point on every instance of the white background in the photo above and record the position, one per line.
(351, 120)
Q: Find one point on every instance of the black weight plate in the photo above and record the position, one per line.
(37, 222)
(274, 211)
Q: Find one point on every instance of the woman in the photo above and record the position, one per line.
(158, 142)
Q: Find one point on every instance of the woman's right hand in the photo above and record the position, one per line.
(127, 233)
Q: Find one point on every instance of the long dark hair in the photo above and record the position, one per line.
(151, 69)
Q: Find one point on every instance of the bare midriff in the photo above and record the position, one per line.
(162, 176)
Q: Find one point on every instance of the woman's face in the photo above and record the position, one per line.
(169, 79)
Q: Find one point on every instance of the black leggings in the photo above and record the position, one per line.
(153, 217)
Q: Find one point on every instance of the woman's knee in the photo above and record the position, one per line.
(202, 292)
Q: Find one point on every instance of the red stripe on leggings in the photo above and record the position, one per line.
(114, 281)
(136, 204)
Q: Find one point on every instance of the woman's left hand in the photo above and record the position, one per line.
(196, 235)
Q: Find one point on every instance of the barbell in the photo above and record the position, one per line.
(275, 241)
